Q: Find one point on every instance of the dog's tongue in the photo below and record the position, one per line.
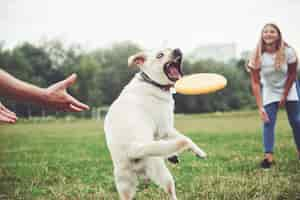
(174, 73)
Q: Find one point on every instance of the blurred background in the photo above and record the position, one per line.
(44, 41)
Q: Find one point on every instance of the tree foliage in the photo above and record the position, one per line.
(102, 73)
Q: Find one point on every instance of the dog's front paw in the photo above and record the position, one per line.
(201, 154)
(173, 159)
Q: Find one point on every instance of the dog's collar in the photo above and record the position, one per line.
(147, 79)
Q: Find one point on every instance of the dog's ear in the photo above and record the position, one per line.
(137, 59)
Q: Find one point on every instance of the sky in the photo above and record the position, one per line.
(151, 24)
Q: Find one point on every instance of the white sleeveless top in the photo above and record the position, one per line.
(273, 81)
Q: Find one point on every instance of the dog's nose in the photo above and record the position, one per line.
(177, 53)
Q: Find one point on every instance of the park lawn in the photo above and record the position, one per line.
(68, 159)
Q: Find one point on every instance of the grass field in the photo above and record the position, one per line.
(69, 160)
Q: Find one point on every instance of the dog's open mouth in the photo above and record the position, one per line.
(173, 70)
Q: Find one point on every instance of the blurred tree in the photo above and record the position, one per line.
(88, 82)
(102, 73)
(115, 73)
(236, 95)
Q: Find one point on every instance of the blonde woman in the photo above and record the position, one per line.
(273, 69)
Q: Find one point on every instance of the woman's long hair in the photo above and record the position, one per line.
(255, 59)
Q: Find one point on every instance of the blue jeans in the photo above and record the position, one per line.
(293, 112)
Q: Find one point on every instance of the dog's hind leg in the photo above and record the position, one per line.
(157, 171)
(126, 183)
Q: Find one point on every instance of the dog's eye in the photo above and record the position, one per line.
(160, 55)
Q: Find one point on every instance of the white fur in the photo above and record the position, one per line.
(140, 131)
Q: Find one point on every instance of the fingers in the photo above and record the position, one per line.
(69, 104)
(62, 85)
(2, 107)
(69, 81)
(9, 112)
(264, 116)
(75, 103)
(68, 107)
(267, 119)
(281, 103)
(59, 99)
(7, 117)
(72, 108)
(76, 106)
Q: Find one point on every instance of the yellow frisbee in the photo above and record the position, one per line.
(201, 83)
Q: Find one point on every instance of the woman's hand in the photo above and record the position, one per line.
(264, 115)
(282, 101)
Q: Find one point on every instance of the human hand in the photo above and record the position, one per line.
(56, 96)
(282, 101)
(264, 115)
(6, 115)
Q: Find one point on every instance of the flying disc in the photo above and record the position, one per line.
(201, 83)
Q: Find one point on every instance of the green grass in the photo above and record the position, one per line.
(70, 160)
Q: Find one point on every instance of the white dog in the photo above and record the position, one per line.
(139, 126)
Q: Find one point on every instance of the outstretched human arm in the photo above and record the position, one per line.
(20, 90)
(55, 96)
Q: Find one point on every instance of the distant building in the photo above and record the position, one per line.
(218, 52)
